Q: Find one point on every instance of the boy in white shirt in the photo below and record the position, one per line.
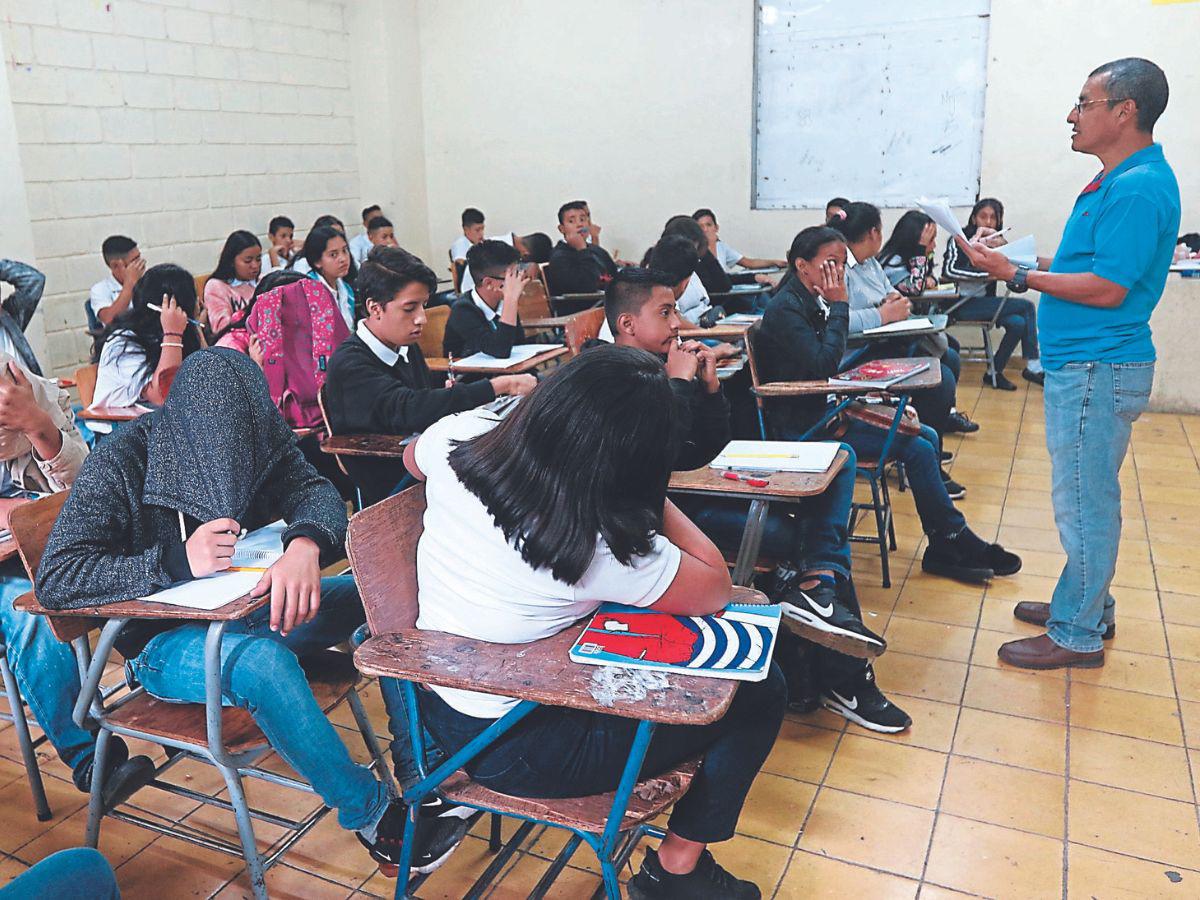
(472, 227)
(283, 248)
(726, 255)
(110, 297)
(361, 244)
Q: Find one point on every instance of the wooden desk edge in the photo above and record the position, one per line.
(147, 609)
(772, 492)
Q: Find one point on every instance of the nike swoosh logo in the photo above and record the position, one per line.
(849, 704)
(825, 611)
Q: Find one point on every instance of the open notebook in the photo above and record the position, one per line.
(917, 323)
(254, 554)
(777, 456)
(520, 353)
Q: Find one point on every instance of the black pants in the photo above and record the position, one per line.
(556, 752)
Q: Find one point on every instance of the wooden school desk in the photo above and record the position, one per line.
(722, 331)
(103, 413)
(784, 487)
(380, 446)
(442, 364)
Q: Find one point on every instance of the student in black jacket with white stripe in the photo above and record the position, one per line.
(378, 382)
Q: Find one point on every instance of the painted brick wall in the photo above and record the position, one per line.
(175, 122)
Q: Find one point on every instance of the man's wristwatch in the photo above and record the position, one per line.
(1019, 283)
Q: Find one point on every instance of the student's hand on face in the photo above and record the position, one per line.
(210, 548)
(173, 319)
(929, 236)
(683, 362)
(594, 231)
(833, 282)
(514, 385)
(19, 410)
(895, 308)
(576, 238)
(514, 283)
(133, 272)
(255, 351)
(295, 585)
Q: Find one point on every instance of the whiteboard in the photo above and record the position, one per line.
(872, 101)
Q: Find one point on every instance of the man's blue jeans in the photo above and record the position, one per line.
(810, 535)
(44, 668)
(260, 672)
(1090, 411)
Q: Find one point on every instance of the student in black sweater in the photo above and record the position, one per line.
(486, 318)
(577, 267)
(378, 382)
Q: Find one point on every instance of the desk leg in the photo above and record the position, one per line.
(756, 518)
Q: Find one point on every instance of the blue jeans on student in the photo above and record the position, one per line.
(812, 534)
(1090, 411)
(260, 672)
(939, 517)
(558, 752)
(1018, 319)
(80, 872)
(45, 670)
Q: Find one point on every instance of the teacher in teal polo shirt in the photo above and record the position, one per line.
(1094, 319)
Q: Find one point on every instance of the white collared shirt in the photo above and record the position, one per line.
(468, 283)
(341, 296)
(360, 246)
(488, 313)
(104, 293)
(386, 354)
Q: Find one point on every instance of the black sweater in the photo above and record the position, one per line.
(702, 423)
(469, 331)
(797, 342)
(572, 271)
(365, 396)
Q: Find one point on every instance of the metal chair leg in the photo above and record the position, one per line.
(254, 862)
(24, 739)
(891, 519)
(881, 530)
(494, 837)
(987, 349)
(96, 799)
(371, 740)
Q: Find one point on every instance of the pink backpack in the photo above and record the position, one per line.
(299, 326)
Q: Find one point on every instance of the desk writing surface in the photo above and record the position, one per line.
(783, 486)
(387, 446)
(921, 381)
(720, 331)
(102, 413)
(442, 364)
(147, 609)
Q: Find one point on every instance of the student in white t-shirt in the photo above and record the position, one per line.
(110, 297)
(360, 245)
(534, 521)
(472, 226)
(726, 255)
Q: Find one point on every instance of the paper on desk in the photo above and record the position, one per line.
(777, 456)
(1022, 251)
(520, 353)
(918, 323)
(939, 211)
(741, 319)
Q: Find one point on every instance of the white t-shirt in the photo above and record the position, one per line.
(103, 294)
(693, 302)
(122, 374)
(727, 256)
(360, 246)
(473, 583)
(467, 281)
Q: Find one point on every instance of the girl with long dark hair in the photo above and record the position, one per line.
(231, 285)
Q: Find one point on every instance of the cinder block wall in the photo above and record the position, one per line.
(174, 122)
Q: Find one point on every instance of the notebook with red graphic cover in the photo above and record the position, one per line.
(880, 373)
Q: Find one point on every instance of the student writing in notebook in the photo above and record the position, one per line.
(534, 521)
(378, 382)
(487, 319)
(803, 338)
(148, 510)
(810, 540)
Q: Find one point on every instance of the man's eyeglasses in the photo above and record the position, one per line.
(1082, 103)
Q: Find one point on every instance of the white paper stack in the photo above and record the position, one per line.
(777, 456)
(520, 353)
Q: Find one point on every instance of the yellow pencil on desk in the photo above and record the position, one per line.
(246, 569)
(759, 455)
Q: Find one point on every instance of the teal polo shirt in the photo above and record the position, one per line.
(1123, 228)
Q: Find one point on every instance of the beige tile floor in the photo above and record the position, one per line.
(1009, 784)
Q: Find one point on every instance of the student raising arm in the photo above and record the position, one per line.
(533, 522)
(486, 319)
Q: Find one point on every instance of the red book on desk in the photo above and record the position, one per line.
(879, 373)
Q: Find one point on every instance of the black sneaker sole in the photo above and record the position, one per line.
(842, 710)
(958, 573)
(127, 779)
(1002, 573)
(956, 495)
(392, 870)
(813, 628)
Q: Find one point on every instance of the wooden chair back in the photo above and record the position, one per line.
(381, 545)
(201, 281)
(582, 327)
(31, 524)
(755, 380)
(456, 272)
(85, 381)
(434, 331)
(534, 302)
(329, 428)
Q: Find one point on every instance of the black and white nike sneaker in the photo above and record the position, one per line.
(865, 705)
(817, 614)
(435, 838)
(443, 809)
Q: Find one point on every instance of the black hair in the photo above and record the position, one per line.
(567, 207)
(372, 208)
(704, 211)
(1139, 80)
(328, 220)
(389, 270)
(316, 241)
(675, 256)
(538, 247)
(996, 206)
(860, 218)
(839, 202)
(490, 258)
(378, 222)
(471, 216)
(142, 325)
(586, 456)
(806, 244)
(630, 289)
(688, 227)
(905, 239)
(116, 246)
(234, 244)
(280, 222)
